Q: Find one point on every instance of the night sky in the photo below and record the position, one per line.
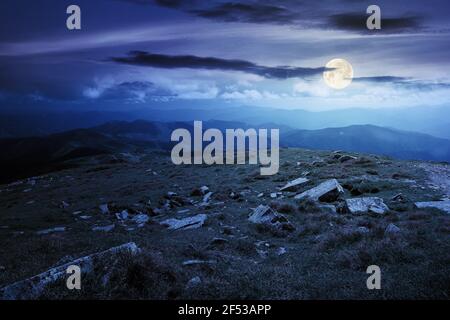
(144, 53)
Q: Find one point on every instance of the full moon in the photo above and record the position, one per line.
(341, 76)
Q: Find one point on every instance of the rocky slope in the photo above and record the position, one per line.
(221, 232)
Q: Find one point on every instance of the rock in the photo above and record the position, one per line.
(441, 205)
(329, 208)
(85, 217)
(367, 204)
(294, 184)
(107, 228)
(104, 208)
(64, 204)
(273, 195)
(346, 158)
(281, 251)
(266, 215)
(399, 198)
(141, 219)
(186, 223)
(171, 194)
(196, 262)
(362, 230)
(122, 215)
(33, 287)
(52, 230)
(327, 191)
(204, 190)
(194, 282)
(207, 197)
(392, 228)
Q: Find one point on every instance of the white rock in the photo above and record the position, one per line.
(321, 190)
(207, 197)
(194, 282)
(441, 205)
(260, 195)
(367, 204)
(141, 218)
(281, 251)
(122, 215)
(104, 208)
(31, 288)
(273, 195)
(51, 230)
(204, 189)
(266, 215)
(186, 223)
(196, 261)
(107, 228)
(392, 228)
(292, 185)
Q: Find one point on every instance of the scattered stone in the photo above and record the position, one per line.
(107, 228)
(346, 158)
(441, 205)
(294, 184)
(85, 217)
(186, 223)
(281, 251)
(122, 215)
(204, 190)
(367, 204)
(399, 198)
(171, 194)
(327, 191)
(183, 211)
(207, 197)
(64, 204)
(266, 215)
(327, 208)
(75, 213)
(273, 195)
(363, 230)
(104, 208)
(33, 287)
(51, 230)
(392, 228)
(194, 282)
(260, 195)
(141, 219)
(196, 262)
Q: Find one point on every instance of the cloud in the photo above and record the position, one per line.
(241, 12)
(357, 22)
(142, 58)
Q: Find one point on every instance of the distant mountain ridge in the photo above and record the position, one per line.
(429, 120)
(35, 155)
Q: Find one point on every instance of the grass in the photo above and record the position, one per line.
(327, 255)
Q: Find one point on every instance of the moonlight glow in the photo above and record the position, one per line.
(341, 76)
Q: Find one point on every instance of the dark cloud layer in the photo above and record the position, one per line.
(357, 22)
(291, 12)
(142, 58)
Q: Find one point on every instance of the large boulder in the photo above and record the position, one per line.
(367, 204)
(441, 205)
(327, 191)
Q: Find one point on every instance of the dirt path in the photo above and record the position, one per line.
(439, 175)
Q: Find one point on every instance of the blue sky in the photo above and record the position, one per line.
(147, 53)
